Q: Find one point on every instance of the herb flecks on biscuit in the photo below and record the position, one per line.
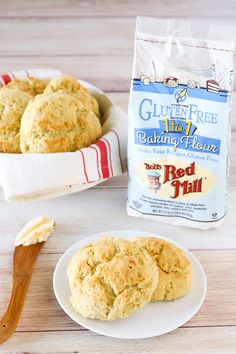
(110, 278)
(68, 84)
(57, 122)
(13, 103)
(175, 270)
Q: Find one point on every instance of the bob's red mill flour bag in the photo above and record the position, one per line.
(179, 109)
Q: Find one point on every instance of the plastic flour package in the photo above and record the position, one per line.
(179, 109)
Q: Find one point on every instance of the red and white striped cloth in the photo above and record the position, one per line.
(42, 176)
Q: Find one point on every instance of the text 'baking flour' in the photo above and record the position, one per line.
(179, 108)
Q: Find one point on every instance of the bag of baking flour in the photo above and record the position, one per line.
(179, 109)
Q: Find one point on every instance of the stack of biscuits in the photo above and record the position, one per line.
(111, 277)
(41, 117)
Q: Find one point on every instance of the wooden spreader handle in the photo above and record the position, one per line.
(23, 262)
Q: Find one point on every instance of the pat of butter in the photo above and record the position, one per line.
(36, 230)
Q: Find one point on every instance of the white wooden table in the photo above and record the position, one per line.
(94, 41)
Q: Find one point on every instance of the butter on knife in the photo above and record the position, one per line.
(36, 230)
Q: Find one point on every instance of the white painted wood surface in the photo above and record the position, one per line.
(94, 41)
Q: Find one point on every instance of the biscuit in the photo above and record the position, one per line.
(57, 123)
(38, 85)
(32, 86)
(175, 271)
(12, 105)
(110, 278)
(68, 84)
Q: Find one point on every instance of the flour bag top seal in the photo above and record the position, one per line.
(179, 109)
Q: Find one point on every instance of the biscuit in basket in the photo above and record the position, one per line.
(33, 86)
(110, 278)
(68, 84)
(175, 271)
(57, 123)
(12, 105)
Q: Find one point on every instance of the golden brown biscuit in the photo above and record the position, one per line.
(110, 278)
(32, 86)
(175, 271)
(63, 83)
(68, 84)
(12, 105)
(38, 85)
(57, 123)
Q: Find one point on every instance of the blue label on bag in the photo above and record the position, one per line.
(177, 147)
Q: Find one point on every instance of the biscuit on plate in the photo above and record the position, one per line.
(32, 86)
(110, 278)
(57, 123)
(12, 105)
(68, 84)
(175, 271)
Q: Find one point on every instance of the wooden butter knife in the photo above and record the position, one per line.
(23, 263)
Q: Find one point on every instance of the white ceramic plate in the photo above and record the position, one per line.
(155, 319)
